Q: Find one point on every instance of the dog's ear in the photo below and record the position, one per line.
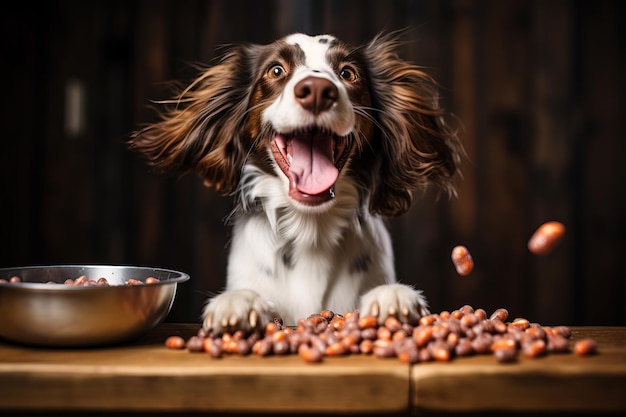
(415, 145)
(201, 128)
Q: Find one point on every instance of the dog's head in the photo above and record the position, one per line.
(314, 111)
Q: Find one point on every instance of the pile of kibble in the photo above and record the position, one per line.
(84, 281)
(442, 336)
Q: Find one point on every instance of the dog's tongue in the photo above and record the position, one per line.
(312, 170)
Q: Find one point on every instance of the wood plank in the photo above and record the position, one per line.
(154, 378)
(554, 383)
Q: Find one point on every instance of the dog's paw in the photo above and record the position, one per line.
(235, 310)
(398, 300)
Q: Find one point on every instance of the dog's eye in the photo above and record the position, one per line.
(276, 71)
(348, 73)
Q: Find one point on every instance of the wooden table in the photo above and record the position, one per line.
(145, 377)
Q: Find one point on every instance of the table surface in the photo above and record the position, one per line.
(145, 376)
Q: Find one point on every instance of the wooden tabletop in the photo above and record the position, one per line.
(145, 376)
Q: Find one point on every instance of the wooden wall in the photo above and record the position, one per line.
(537, 85)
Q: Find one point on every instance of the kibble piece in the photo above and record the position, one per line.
(558, 343)
(462, 260)
(505, 354)
(194, 344)
(501, 314)
(534, 348)
(310, 354)
(585, 347)
(175, 342)
(546, 238)
(463, 347)
(152, 280)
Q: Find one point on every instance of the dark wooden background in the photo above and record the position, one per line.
(538, 86)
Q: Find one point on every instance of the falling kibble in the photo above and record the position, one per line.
(546, 238)
(462, 260)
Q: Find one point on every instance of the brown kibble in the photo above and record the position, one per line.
(175, 342)
(242, 347)
(505, 354)
(440, 336)
(195, 344)
(462, 260)
(383, 348)
(501, 314)
(336, 349)
(409, 355)
(585, 347)
(281, 347)
(393, 324)
(422, 335)
(427, 320)
(263, 347)
(366, 346)
(383, 333)
(310, 354)
(534, 348)
(557, 343)
(327, 314)
(467, 309)
(337, 322)
(271, 328)
(457, 314)
(463, 347)
(215, 349)
(503, 343)
(482, 343)
(480, 314)
(81, 280)
(562, 331)
(546, 238)
(367, 322)
(520, 323)
(441, 351)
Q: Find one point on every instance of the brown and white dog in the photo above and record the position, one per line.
(318, 141)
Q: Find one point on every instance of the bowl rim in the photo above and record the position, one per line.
(179, 277)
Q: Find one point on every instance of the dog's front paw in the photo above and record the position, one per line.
(398, 300)
(235, 310)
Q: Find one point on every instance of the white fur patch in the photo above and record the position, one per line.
(286, 115)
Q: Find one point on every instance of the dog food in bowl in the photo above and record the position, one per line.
(44, 305)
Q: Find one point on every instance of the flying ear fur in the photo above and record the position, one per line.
(200, 130)
(418, 146)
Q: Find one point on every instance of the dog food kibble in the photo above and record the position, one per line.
(462, 260)
(84, 281)
(585, 347)
(546, 238)
(175, 342)
(436, 337)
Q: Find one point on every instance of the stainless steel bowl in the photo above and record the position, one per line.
(41, 310)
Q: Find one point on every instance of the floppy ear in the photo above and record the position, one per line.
(415, 147)
(200, 130)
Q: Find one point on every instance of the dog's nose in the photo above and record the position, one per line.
(316, 94)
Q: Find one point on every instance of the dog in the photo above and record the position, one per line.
(319, 142)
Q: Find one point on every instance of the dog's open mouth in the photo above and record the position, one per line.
(312, 160)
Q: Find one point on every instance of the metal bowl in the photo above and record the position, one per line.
(42, 310)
